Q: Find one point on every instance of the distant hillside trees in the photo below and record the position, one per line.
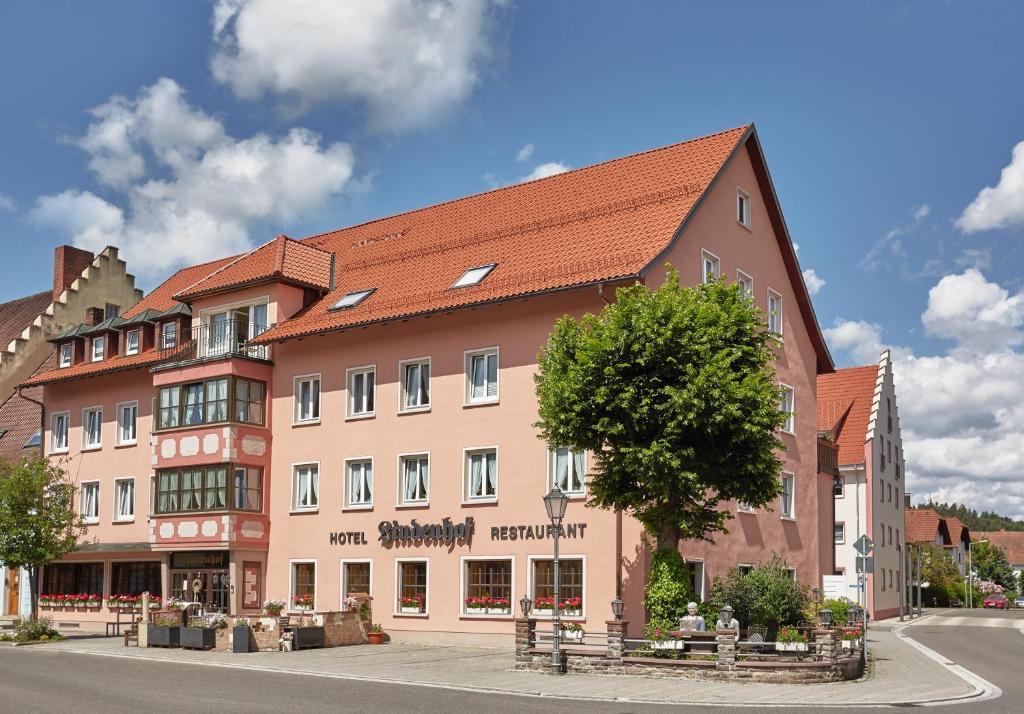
(984, 521)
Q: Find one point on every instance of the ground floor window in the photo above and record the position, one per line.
(303, 585)
(696, 568)
(73, 579)
(412, 587)
(135, 578)
(355, 578)
(487, 587)
(570, 585)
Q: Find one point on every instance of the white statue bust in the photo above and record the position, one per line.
(692, 621)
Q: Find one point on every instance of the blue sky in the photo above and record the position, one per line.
(881, 121)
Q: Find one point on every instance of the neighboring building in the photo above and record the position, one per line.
(960, 542)
(80, 280)
(1012, 543)
(354, 412)
(926, 526)
(857, 410)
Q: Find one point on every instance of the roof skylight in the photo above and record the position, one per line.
(352, 299)
(474, 276)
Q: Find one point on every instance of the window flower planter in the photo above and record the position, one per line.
(411, 605)
(407, 610)
(197, 638)
(572, 635)
(851, 644)
(790, 646)
(160, 636)
(499, 611)
(307, 637)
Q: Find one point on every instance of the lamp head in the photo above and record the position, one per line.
(555, 504)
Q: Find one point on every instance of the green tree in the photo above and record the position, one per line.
(38, 523)
(989, 562)
(674, 393)
(767, 595)
(942, 575)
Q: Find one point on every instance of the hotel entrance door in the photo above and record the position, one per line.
(203, 577)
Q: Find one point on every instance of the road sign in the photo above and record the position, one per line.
(864, 545)
(865, 564)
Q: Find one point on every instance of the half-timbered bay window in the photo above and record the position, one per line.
(211, 402)
(570, 590)
(207, 488)
(487, 587)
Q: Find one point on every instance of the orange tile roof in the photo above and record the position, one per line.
(1012, 542)
(92, 369)
(280, 259)
(921, 525)
(957, 530)
(844, 409)
(162, 297)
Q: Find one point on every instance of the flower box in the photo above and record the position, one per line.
(499, 611)
(664, 645)
(307, 637)
(410, 610)
(790, 646)
(575, 635)
(851, 644)
(197, 638)
(160, 636)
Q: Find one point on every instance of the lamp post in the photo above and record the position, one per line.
(970, 573)
(555, 504)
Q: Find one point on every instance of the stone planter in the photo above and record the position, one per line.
(197, 638)
(307, 637)
(790, 646)
(163, 636)
(241, 639)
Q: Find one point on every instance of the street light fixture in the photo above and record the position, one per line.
(617, 608)
(525, 605)
(826, 617)
(555, 504)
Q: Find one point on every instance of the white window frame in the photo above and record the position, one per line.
(842, 480)
(344, 581)
(400, 501)
(67, 350)
(135, 426)
(463, 570)
(397, 611)
(101, 341)
(350, 375)
(842, 538)
(54, 448)
(552, 458)
(295, 507)
(742, 197)
(706, 256)
(703, 577)
(86, 444)
(346, 478)
(402, 408)
(297, 381)
(292, 562)
(468, 357)
(532, 595)
(775, 323)
(118, 516)
(173, 324)
(790, 426)
(467, 454)
(128, 349)
(745, 279)
(81, 502)
(791, 516)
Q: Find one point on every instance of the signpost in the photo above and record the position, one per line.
(865, 565)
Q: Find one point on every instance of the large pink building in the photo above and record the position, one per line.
(353, 412)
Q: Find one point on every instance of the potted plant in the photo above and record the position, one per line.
(273, 607)
(411, 604)
(572, 606)
(285, 642)
(499, 606)
(241, 635)
(307, 634)
(790, 639)
(198, 634)
(375, 634)
(851, 638)
(164, 632)
(303, 602)
(658, 637)
(572, 631)
(349, 604)
(476, 605)
(364, 612)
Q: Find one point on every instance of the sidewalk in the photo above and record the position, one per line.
(901, 674)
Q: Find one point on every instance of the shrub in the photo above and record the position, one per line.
(35, 630)
(767, 595)
(840, 608)
(668, 589)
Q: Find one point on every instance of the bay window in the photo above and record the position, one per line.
(207, 488)
(211, 402)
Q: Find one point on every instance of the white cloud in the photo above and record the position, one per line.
(922, 212)
(408, 61)
(524, 153)
(212, 188)
(862, 340)
(999, 206)
(976, 313)
(7, 203)
(813, 282)
(889, 249)
(551, 168)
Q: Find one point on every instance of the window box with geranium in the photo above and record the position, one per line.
(411, 605)
(790, 639)
(572, 631)
(662, 638)
(544, 605)
(572, 606)
(303, 602)
(476, 605)
(499, 606)
(273, 607)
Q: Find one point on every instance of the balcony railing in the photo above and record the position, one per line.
(217, 340)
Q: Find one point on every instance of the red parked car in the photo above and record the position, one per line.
(997, 601)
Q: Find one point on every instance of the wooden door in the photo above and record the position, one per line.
(13, 591)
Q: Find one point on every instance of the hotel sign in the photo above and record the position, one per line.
(199, 560)
(447, 532)
(537, 532)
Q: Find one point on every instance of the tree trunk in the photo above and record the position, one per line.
(668, 537)
(33, 591)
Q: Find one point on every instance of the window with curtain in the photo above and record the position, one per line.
(92, 432)
(306, 487)
(786, 497)
(191, 489)
(193, 411)
(124, 497)
(73, 578)
(416, 385)
(248, 488)
(567, 471)
(481, 475)
(361, 384)
(415, 479)
(217, 400)
(307, 399)
(91, 501)
(304, 579)
(482, 376)
(127, 418)
(216, 488)
(135, 578)
(249, 401)
(570, 571)
(167, 491)
(167, 410)
(59, 431)
(169, 334)
(359, 491)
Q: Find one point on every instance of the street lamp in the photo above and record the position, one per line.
(555, 504)
(970, 573)
(617, 608)
(826, 617)
(525, 604)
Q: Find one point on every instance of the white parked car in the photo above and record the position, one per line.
(1019, 602)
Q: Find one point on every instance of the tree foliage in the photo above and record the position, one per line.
(945, 583)
(674, 393)
(38, 522)
(990, 563)
(983, 521)
(767, 595)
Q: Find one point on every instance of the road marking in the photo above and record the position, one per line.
(974, 622)
(984, 689)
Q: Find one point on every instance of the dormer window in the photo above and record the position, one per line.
(352, 299)
(67, 351)
(98, 344)
(131, 344)
(474, 276)
(169, 335)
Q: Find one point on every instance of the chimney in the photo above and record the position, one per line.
(93, 315)
(68, 264)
